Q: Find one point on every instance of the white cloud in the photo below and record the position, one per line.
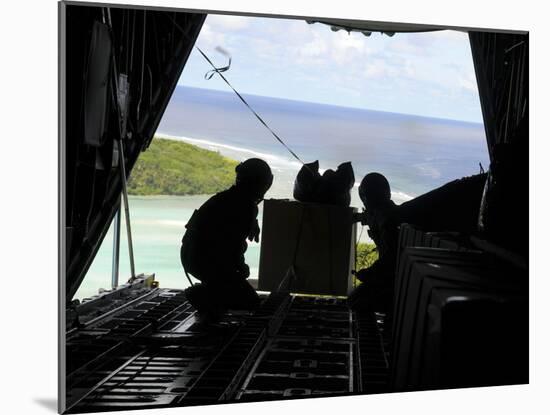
(410, 69)
(468, 82)
(229, 23)
(346, 48)
(377, 69)
(389, 68)
(347, 41)
(315, 48)
(414, 44)
(453, 35)
(210, 37)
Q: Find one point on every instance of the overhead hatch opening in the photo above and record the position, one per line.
(320, 83)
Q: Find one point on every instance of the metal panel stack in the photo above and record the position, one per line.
(452, 317)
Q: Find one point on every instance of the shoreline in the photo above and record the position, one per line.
(275, 161)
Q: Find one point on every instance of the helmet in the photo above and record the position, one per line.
(374, 190)
(255, 176)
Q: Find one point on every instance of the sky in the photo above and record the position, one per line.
(429, 74)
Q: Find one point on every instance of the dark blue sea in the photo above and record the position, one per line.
(416, 153)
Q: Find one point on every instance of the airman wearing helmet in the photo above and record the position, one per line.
(214, 243)
(380, 216)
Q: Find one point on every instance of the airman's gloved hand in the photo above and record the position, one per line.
(244, 271)
(365, 217)
(357, 217)
(363, 274)
(254, 232)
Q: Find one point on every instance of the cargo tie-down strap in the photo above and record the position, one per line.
(216, 70)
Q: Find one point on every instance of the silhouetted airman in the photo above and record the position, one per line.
(379, 215)
(214, 244)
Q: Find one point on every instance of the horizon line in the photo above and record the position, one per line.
(334, 105)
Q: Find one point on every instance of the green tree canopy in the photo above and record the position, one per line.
(171, 167)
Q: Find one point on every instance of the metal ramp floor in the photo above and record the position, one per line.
(149, 352)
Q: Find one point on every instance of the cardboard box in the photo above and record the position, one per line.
(318, 239)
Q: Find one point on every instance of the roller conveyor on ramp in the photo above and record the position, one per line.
(148, 351)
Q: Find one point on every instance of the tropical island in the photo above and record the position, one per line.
(172, 167)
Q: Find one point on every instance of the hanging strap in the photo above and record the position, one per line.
(216, 70)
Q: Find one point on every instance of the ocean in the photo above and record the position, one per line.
(415, 153)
